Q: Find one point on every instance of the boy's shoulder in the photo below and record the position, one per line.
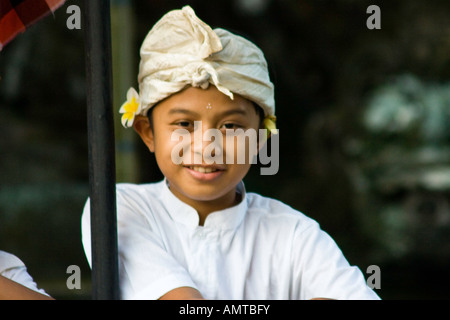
(276, 211)
(139, 196)
(137, 190)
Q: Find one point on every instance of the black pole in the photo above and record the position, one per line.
(97, 29)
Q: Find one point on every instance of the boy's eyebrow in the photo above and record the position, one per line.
(184, 111)
(233, 111)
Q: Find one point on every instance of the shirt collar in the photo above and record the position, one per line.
(228, 218)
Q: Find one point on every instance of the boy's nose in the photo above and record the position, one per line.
(207, 142)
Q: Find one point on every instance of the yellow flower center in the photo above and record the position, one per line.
(132, 106)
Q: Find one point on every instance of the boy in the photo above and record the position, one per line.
(198, 234)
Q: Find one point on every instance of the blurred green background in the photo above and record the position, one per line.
(363, 116)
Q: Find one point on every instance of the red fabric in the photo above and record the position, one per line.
(17, 15)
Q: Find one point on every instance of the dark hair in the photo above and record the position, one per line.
(260, 112)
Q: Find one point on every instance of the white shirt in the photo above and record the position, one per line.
(14, 269)
(258, 249)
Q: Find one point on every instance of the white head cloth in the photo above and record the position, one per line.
(182, 50)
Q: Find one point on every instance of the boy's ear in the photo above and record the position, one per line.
(142, 126)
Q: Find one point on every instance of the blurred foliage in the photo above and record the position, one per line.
(401, 168)
(362, 114)
(408, 108)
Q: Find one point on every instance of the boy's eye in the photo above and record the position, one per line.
(230, 126)
(183, 124)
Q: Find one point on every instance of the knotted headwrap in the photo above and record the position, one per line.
(182, 50)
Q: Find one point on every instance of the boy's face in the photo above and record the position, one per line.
(199, 182)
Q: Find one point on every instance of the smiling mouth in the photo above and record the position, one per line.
(204, 169)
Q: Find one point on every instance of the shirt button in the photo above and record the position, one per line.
(199, 233)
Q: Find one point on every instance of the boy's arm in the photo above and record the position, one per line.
(323, 270)
(182, 293)
(10, 290)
